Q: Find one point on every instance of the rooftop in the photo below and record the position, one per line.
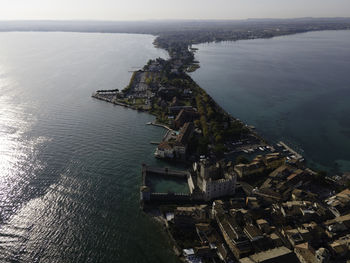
(185, 133)
(283, 254)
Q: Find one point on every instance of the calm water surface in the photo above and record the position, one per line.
(70, 165)
(292, 88)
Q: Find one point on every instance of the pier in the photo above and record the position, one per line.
(148, 170)
(113, 101)
(297, 155)
(160, 125)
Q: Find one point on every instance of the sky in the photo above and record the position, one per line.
(169, 9)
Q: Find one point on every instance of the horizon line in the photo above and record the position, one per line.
(169, 19)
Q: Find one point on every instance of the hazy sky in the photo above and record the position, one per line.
(170, 9)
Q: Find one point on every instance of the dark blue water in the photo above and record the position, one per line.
(292, 88)
(70, 165)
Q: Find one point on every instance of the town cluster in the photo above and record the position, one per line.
(287, 216)
(163, 89)
(247, 201)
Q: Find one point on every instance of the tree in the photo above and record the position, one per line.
(148, 80)
(204, 125)
(320, 177)
(241, 160)
(210, 112)
(197, 123)
(203, 145)
(218, 138)
(219, 149)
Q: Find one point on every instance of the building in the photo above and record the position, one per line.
(276, 255)
(277, 177)
(341, 248)
(182, 140)
(260, 164)
(207, 234)
(322, 255)
(176, 109)
(274, 160)
(339, 203)
(167, 93)
(213, 181)
(170, 149)
(253, 233)
(185, 115)
(338, 226)
(305, 253)
(255, 167)
(189, 216)
(164, 150)
(234, 237)
(295, 177)
(276, 240)
(297, 236)
(345, 219)
(263, 225)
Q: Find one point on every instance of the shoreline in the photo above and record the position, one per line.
(158, 217)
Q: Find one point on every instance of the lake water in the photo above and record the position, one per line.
(292, 88)
(70, 166)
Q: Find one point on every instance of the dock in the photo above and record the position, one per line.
(297, 155)
(160, 125)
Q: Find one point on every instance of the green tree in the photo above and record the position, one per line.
(219, 149)
(218, 138)
(241, 160)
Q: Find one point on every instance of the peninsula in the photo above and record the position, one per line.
(248, 200)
